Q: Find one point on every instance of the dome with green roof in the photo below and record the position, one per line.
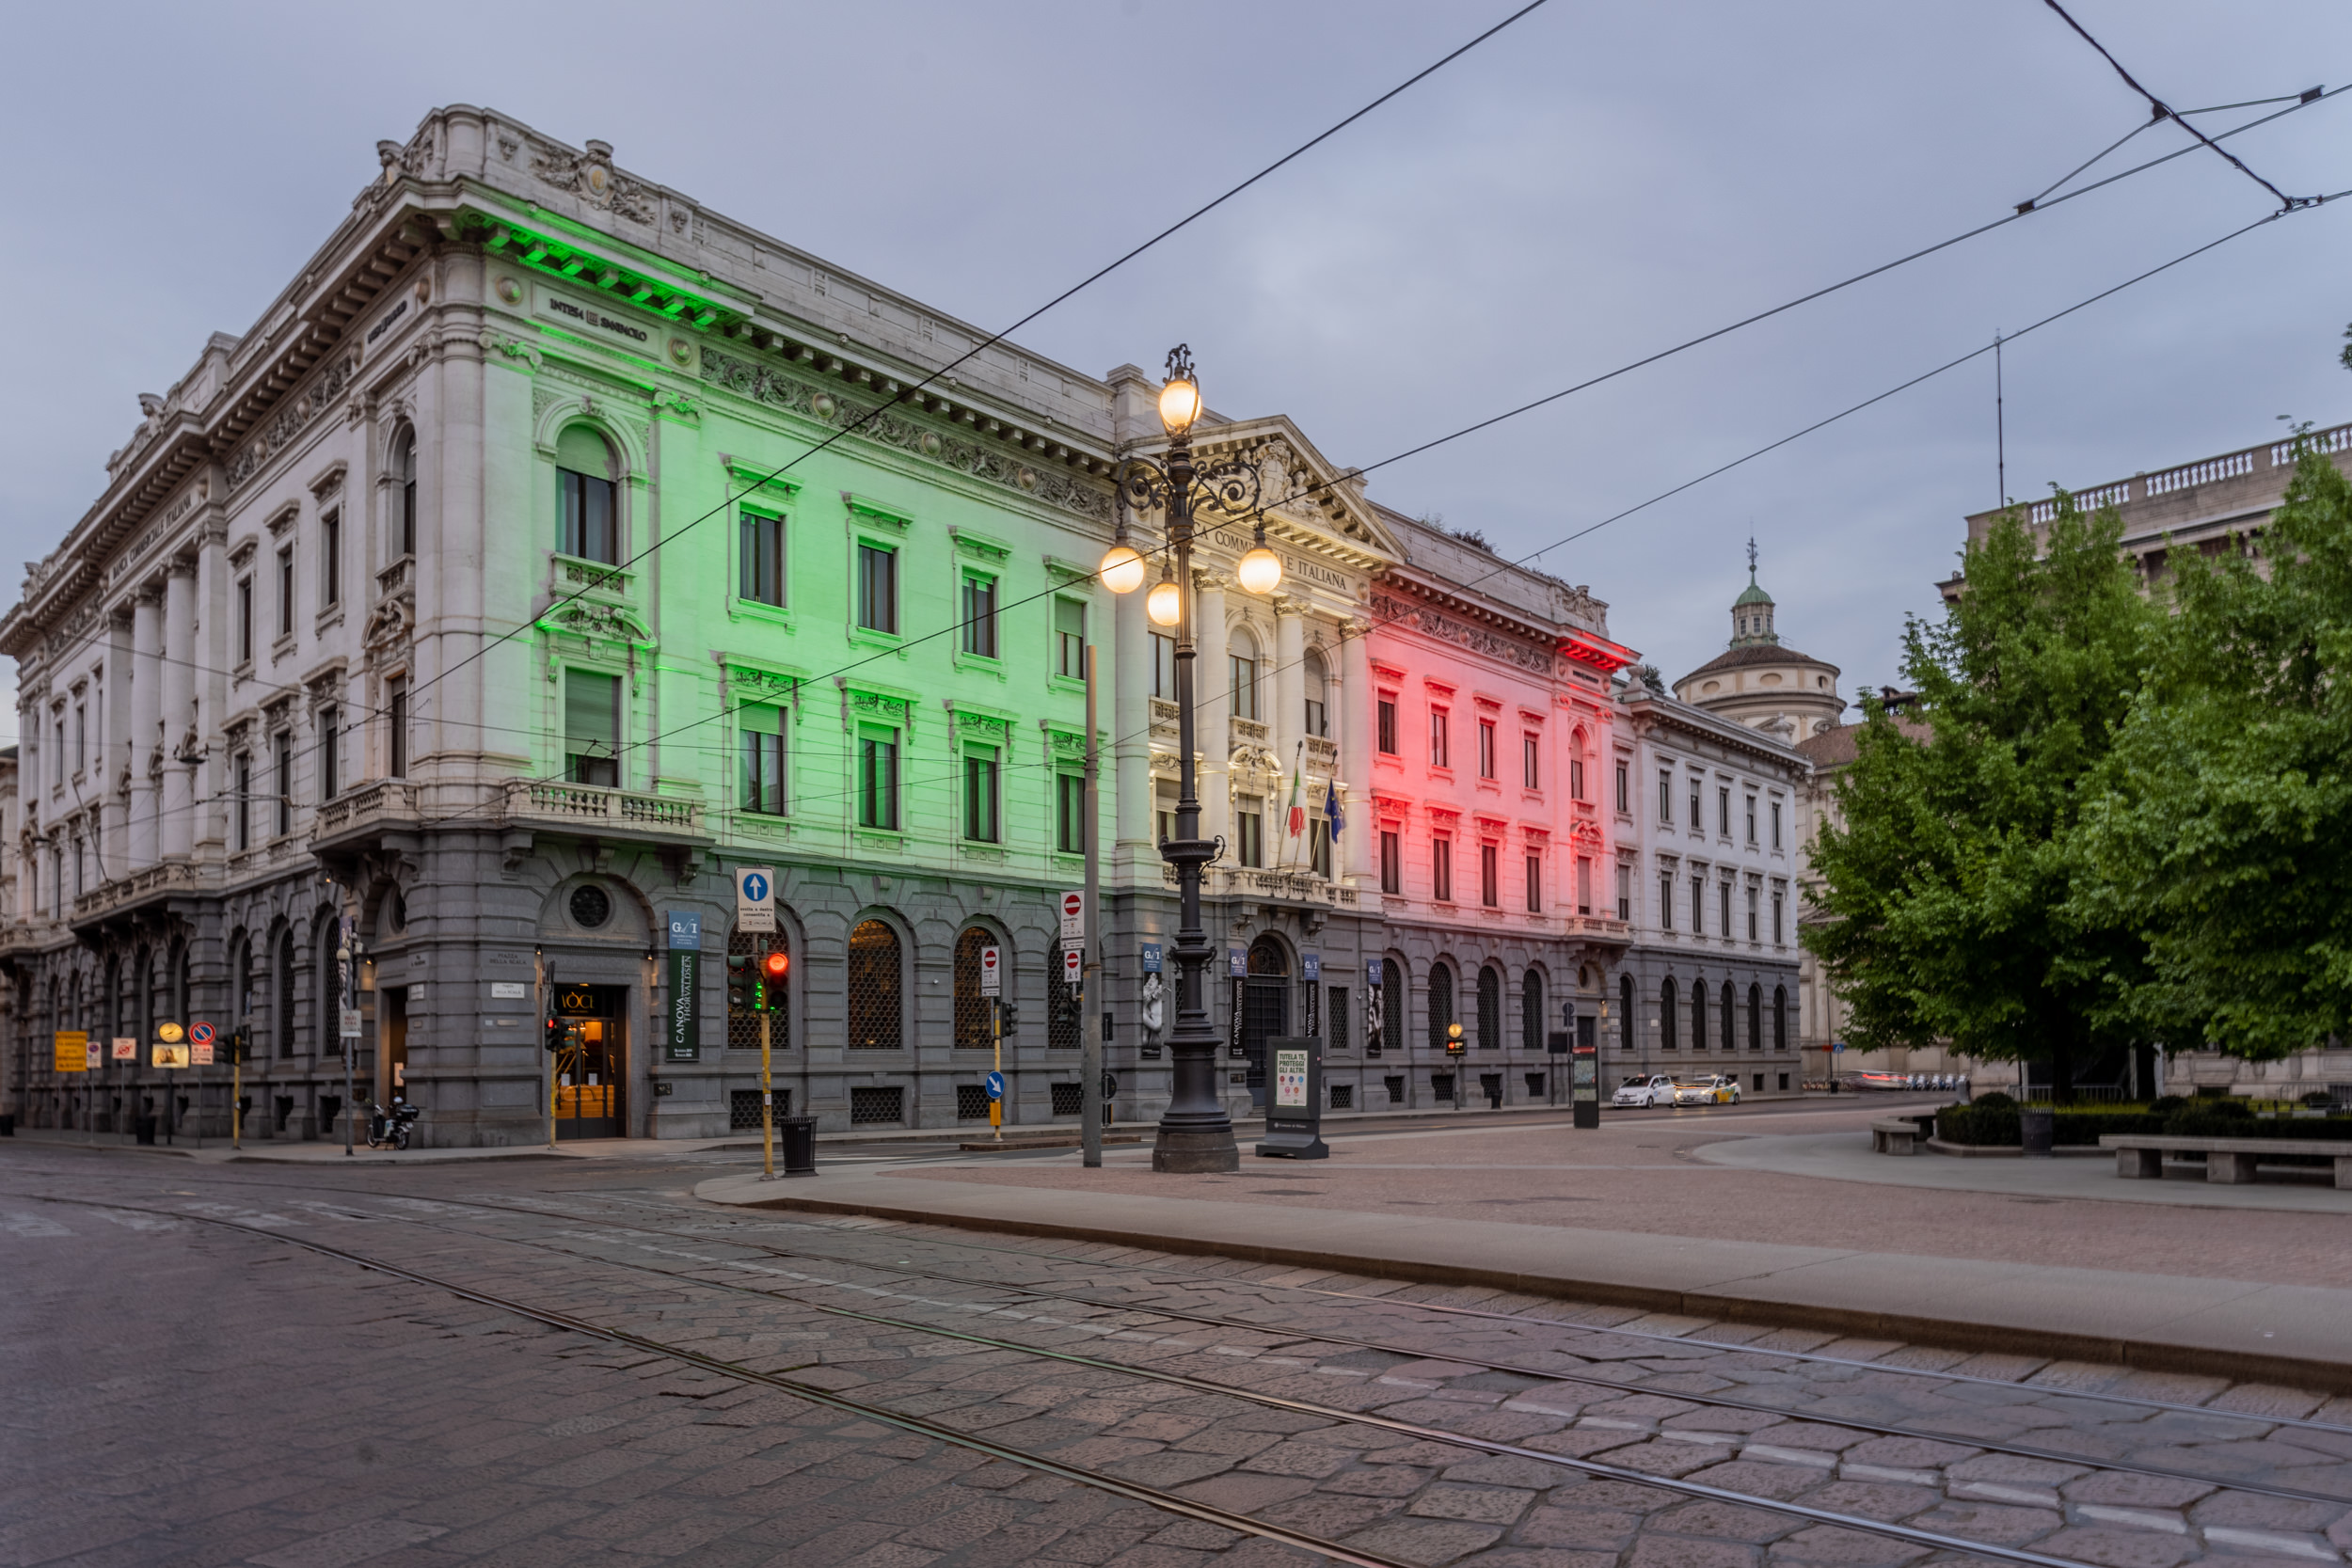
(1759, 680)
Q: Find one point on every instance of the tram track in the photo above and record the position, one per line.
(1933, 1541)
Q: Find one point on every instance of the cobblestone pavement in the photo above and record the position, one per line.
(180, 1392)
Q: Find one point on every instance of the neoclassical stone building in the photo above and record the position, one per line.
(554, 547)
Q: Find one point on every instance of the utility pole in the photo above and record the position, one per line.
(1092, 1110)
(766, 1085)
(2000, 427)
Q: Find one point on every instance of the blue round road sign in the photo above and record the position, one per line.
(996, 1085)
(755, 887)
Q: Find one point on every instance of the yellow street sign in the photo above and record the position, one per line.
(169, 1033)
(72, 1048)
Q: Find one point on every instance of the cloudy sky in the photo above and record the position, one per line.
(1600, 181)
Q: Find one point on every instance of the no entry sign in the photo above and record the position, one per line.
(991, 974)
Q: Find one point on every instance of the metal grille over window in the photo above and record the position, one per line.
(1441, 1004)
(1393, 1005)
(1490, 1008)
(1061, 1021)
(1530, 1011)
(743, 1109)
(970, 1103)
(1342, 1097)
(972, 1027)
(1069, 1099)
(873, 1104)
(744, 1025)
(875, 994)
(1336, 1020)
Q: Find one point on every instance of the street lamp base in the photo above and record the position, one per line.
(1189, 1154)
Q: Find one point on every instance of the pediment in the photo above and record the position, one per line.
(1313, 505)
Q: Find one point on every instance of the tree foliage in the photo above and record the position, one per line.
(1952, 888)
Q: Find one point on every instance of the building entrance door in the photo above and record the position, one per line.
(590, 1068)
(1265, 1011)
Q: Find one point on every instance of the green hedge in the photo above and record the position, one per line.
(1984, 1126)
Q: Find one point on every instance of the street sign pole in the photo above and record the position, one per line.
(767, 1082)
(996, 1101)
(1090, 1106)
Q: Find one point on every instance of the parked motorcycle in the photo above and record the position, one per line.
(390, 1130)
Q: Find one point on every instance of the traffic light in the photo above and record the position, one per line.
(554, 1034)
(742, 984)
(1009, 1019)
(772, 969)
(238, 1047)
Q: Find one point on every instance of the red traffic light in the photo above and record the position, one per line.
(774, 964)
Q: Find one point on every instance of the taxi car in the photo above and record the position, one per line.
(1645, 1088)
(1714, 1090)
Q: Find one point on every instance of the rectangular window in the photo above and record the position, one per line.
(285, 592)
(979, 616)
(1751, 820)
(878, 588)
(1163, 667)
(1319, 845)
(1752, 898)
(1776, 927)
(1388, 726)
(244, 773)
(245, 620)
(1069, 638)
(285, 761)
(408, 499)
(1576, 777)
(396, 729)
(1485, 749)
(980, 795)
(1625, 787)
(1241, 676)
(1441, 870)
(1440, 752)
(877, 779)
(1489, 875)
(1336, 1035)
(1665, 796)
(1625, 893)
(592, 728)
(1584, 886)
(1392, 863)
(1722, 812)
(1531, 766)
(1775, 824)
(584, 515)
(1168, 825)
(1665, 901)
(330, 754)
(331, 560)
(1318, 719)
(1698, 905)
(1069, 812)
(1698, 821)
(81, 737)
(1535, 884)
(1722, 892)
(1249, 827)
(761, 740)
(760, 559)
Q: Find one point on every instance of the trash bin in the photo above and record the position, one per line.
(795, 1139)
(2036, 1129)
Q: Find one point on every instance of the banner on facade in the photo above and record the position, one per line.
(72, 1049)
(684, 1041)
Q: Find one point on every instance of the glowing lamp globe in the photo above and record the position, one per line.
(1165, 604)
(1122, 570)
(1260, 571)
(1179, 405)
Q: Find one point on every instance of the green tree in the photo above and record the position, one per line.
(1950, 886)
(2223, 826)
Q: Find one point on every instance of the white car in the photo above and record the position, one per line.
(1717, 1089)
(1645, 1090)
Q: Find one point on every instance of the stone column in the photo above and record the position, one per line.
(1214, 706)
(147, 645)
(176, 822)
(1131, 721)
(1355, 713)
(1290, 683)
(114, 731)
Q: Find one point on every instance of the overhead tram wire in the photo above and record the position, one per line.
(978, 349)
(2023, 210)
(1719, 470)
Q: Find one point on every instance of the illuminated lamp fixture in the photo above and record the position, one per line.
(1122, 569)
(1261, 570)
(1179, 395)
(1165, 604)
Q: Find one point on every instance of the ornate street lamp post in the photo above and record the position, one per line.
(1194, 1133)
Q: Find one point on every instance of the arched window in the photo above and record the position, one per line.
(1755, 1018)
(973, 1029)
(1489, 1008)
(1669, 1019)
(1731, 1010)
(1241, 668)
(1392, 984)
(111, 1006)
(1440, 1004)
(1062, 1026)
(180, 983)
(587, 525)
(1625, 1012)
(284, 1006)
(876, 988)
(405, 493)
(1530, 1011)
(143, 1014)
(1318, 695)
(1575, 767)
(1780, 1018)
(744, 1022)
(1698, 1015)
(241, 982)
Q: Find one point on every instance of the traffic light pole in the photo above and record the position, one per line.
(553, 1057)
(767, 1087)
(1093, 1113)
(997, 1028)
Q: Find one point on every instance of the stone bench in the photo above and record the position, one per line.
(2142, 1156)
(1896, 1135)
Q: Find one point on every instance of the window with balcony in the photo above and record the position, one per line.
(586, 497)
(1163, 667)
(878, 778)
(1584, 886)
(330, 754)
(1485, 749)
(1069, 812)
(878, 588)
(1249, 835)
(1319, 845)
(1069, 638)
(1318, 719)
(1388, 727)
(1241, 676)
(1392, 862)
(760, 739)
(592, 728)
(759, 558)
(980, 795)
(396, 729)
(1489, 875)
(1441, 870)
(1625, 893)
(979, 616)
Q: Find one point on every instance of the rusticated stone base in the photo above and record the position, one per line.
(1196, 1153)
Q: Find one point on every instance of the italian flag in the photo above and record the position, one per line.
(1298, 808)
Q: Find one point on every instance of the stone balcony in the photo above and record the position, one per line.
(1288, 887)
(376, 803)
(136, 888)
(593, 809)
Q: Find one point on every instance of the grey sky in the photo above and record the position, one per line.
(1600, 181)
